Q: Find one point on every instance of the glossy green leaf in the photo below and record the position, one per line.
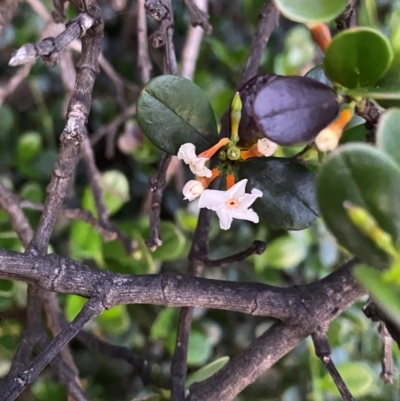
(359, 379)
(206, 371)
(386, 294)
(369, 179)
(116, 190)
(357, 57)
(288, 200)
(389, 86)
(172, 111)
(311, 10)
(6, 288)
(387, 134)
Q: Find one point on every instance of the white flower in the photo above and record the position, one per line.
(187, 153)
(192, 189)
(231, 204)
(266, 147)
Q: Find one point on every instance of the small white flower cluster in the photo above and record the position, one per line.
(231, 204)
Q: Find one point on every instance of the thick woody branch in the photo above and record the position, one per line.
(198, 17)
(330, 300)
(74, 133)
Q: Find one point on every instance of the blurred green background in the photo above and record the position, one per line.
(31, 120)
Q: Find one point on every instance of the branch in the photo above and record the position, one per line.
(144, 62)
(257, 247)
(328, 301)
(269, 20)
(50, 48)
(74, 131)
(91, 309)
(348, 18)
(198, 17)
(157, 185)
(323, 352)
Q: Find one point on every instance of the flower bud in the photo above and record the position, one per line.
(233, 153)
(266, 147)
(192, 190)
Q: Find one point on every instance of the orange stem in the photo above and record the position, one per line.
(207, 180)
(321, 35)
(252, 152)
(230, 181)
(214, 149)
(338, 125)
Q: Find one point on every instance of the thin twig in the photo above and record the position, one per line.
(191, 47)
(269, 19)
(257, 247)
(112, 127)
(143, 62)
(91, 309)
(198, 15)
(157, 185)
(323, 352)
(348, 18)
(387, 373)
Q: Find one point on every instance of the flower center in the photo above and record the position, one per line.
(232, 203)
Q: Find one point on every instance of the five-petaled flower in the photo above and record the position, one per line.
(231, 204)
(187, 153)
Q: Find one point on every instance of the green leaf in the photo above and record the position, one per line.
(357, 57)
(173, 242)
(389, 84)
(385, 293)
(165, 321)
(311, 10)
(6, 288)
(387, 134)
(73, 306)
(362, 175)
(288, 200)
(172, 111)
(206, 371)
(114, 320)
(283, 253)
(29, 145)
(116, 190)
(199, 348)
(359, 379)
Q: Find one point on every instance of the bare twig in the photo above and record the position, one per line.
(269, 19)
(50, 48)
(91, 309)
(257, 247)
(387, 373)
(34, 333)
(348, 18)
(96, 187)
(157, 185)
(8, 8)
(323, 352)
(144, 62)
(191, 48)
(112, 127)
(198, 15)
(74, 131)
